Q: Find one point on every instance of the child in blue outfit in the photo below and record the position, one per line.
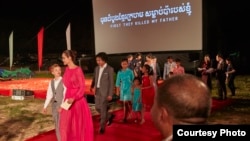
(124, 81)
(136, 98)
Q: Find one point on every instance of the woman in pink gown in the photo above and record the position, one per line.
(75, 123)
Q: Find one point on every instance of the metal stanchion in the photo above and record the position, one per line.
(195, 62)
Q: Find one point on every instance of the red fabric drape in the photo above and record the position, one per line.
(40, 47)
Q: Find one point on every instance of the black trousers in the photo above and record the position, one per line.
(222, 91)
(231, 85)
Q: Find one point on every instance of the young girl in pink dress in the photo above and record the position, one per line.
(75, 123)
(147, 89)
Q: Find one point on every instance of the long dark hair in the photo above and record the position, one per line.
(123, 60)
(71, 53)
(137, 78)
(149, 69)
(103, 56)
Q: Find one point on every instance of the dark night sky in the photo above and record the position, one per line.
(226, 25)
(26, 17)
(227, 29)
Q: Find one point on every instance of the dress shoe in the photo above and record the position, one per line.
(110, 120)
(124, 120)
(101, 131)
(220, 98)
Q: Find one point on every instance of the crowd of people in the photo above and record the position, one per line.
(224, 72)
(136, 84)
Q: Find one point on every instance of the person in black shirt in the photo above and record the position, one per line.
(230, 75)
(221, 77)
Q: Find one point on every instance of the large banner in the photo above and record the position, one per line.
(40, 47)
(68, 39)
(11, 49)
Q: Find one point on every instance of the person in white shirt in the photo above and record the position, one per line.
(103, 88)
(168, 67)
(55, 94)
(181, 99)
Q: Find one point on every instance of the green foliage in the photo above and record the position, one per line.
(21, 72)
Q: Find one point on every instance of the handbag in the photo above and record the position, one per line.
(115, 97)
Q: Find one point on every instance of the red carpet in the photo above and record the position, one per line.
(116, 132)
(219, 104)
(126, 132)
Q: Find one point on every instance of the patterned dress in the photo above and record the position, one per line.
(137, 69)
(76, 123)
(147, 93)
(124, 81)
